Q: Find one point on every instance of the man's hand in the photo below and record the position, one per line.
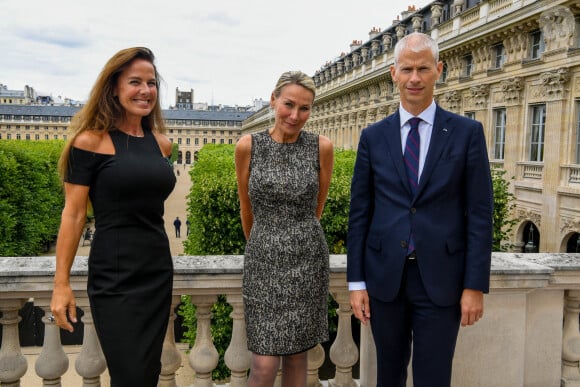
(471, 306)
(359, 302)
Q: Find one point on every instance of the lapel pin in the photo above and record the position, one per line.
(445, 129)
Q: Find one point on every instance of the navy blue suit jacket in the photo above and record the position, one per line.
(451, 213)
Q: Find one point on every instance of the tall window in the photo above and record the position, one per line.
(498, 52)
(443, 76)
(467, 65)
(498, 134)
(536, 44)
(537, 131)
(577, 158)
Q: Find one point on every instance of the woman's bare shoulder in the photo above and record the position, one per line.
(91, 140)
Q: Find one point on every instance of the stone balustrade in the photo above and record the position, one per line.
(529, 336)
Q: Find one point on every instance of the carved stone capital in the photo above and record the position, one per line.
(451, 100)
(479, 95)
(558, 25)
(551, 85)
(512, 89)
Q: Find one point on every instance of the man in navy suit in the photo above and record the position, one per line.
(420, 225)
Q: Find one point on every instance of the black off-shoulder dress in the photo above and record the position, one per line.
(130, 267)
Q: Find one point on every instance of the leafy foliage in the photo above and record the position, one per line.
(31, 196)
(213, 205)
(503, 206)
(334, 218)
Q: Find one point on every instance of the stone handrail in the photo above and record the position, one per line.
(528, 336)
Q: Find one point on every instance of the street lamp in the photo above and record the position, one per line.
(530, 246)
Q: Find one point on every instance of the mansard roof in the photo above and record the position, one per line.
(69, 111)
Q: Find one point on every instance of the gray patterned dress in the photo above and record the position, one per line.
(285, 282)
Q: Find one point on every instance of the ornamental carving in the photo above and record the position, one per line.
(387, 41)
(371, 116)
(551, 85)
(512, 89)
(558, 25)
(515, 45)
(524, 215)
(400, 30)
(436, 12)
(458, 6)
(382, 111)
(375, 48)
(570, 225)
(417, 21)
(364, 54)
(479, 95)
(451, 100)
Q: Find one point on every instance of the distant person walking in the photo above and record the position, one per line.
(187, 224)
(177, 224)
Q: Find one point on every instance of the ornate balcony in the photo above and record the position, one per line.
(528, 337)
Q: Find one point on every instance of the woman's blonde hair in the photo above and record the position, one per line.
(103, 111)
(294, 78)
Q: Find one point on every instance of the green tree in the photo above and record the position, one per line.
(31, 196)
(503, 206)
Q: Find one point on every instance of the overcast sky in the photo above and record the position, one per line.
(229, 51)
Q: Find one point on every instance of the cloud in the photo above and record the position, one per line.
(62, 38)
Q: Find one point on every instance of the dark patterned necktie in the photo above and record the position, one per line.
(411, 158)
(411, 155)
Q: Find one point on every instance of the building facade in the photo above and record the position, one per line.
(514, 65)
(190, 129)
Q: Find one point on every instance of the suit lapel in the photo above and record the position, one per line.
(393, 140)
(439, 137)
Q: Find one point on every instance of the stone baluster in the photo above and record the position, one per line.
(278, 381)
(570, 340)
(90, 363)
(52, 362)
(343, 352)
(13, 364)
(315, 361)
(203, 357)
(368, 357)
(170, 357)
(237, 357)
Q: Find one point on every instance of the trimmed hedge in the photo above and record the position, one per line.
(214, 207)
(31, 196)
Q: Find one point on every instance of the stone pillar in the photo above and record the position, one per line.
(237, 356)
(553, 90)
(170, 357)
(315, 361)
(203, 357)
(570, 340)
(13, 364)
(52, 362)
(90, 363)
(343, 352)
(368, 357)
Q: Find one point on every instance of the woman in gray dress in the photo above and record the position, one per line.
(283, 178)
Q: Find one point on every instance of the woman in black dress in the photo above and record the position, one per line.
(117, 157)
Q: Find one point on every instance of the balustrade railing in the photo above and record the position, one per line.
(528, 337)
